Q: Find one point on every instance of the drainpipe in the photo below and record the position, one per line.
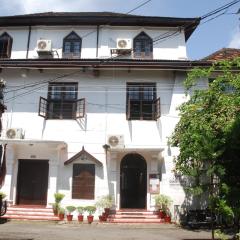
(97, 41)
(28, 42)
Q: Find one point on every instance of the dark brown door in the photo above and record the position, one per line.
(32, 182)
(133, 185)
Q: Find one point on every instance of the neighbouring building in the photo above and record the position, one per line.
(91, 101)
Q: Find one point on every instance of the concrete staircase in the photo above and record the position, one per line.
(134, 216)
(30, 213)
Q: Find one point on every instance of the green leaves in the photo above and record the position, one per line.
(208, 135)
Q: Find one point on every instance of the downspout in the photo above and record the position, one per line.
(97, 41)
(28, 42)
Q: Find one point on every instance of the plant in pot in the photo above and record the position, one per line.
(80, 211)
(57, 204)
(107, 204)
(61, 213)
(70, 210)
(99, 206)
(163, 202)
(91, 210)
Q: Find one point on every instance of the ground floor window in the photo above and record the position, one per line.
(83, 181)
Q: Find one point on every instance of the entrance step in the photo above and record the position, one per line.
(135, 216)
(30, 213)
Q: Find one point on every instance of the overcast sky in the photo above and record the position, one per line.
(223, 31)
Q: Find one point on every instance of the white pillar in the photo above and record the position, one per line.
(52, 181)
(7, 187)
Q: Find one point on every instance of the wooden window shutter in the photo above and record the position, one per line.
(43, 107)
(157, 108)
(80, 108)
(9, 47)
(129, 109)
(83, 181)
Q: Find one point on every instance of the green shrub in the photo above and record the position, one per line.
(58, 197)
(3, 195)
(70, 209)
(90, 209)
(61, 211)
(80, 210)
(105, 201)
(163, 202)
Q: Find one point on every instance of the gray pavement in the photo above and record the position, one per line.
(25, 230)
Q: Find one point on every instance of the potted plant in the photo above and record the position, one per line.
(91, 210)
(56, 205)
(70, 210)
(163, 202)
(80, 211)
(105, 202)
(61, 213)
(167, 217)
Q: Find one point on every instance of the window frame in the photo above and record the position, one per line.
(145, 42)
(7, 52)
(46, 105)
(72, 38)
(62, 101)
(151, 104)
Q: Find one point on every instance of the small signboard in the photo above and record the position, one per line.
(154, 183)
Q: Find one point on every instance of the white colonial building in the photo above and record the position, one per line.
(91, 101)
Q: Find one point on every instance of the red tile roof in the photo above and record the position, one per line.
(223, 54)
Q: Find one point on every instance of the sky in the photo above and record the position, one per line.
(224, 31)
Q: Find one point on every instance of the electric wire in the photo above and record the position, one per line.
(156, 39)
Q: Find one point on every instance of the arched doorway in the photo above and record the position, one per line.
(133, 181)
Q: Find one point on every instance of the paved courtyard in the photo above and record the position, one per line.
(19, 230)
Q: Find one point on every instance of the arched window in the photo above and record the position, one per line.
(5, 45)
(142, 46)
(72, 46)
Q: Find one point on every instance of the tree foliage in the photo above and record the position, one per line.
(208, 136)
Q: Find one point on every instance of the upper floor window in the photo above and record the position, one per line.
(142, 103)
(5, 45)
(72, 44)
(142, 46)
(62, 102)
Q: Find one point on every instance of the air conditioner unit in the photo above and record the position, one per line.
(124, 43)
(116, 141)
(44, 45)
(14, 133)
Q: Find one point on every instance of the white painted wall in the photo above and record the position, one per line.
(172, 47)
(105, 115)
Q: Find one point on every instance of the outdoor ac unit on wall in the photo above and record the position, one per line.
(14, 133)
(124, 43)
(116, 141)
(44, 45)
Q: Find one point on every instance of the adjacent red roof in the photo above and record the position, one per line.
(223, 54)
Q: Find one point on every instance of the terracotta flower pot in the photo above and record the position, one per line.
(104, 216)
(162, 214)
(167, 219)
(90, 219)
(107, 211)
(80, 218)
(69, 218)
(100, 218)
(55, 212)
(61, 216)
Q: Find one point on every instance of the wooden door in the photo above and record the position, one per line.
(32, 182)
